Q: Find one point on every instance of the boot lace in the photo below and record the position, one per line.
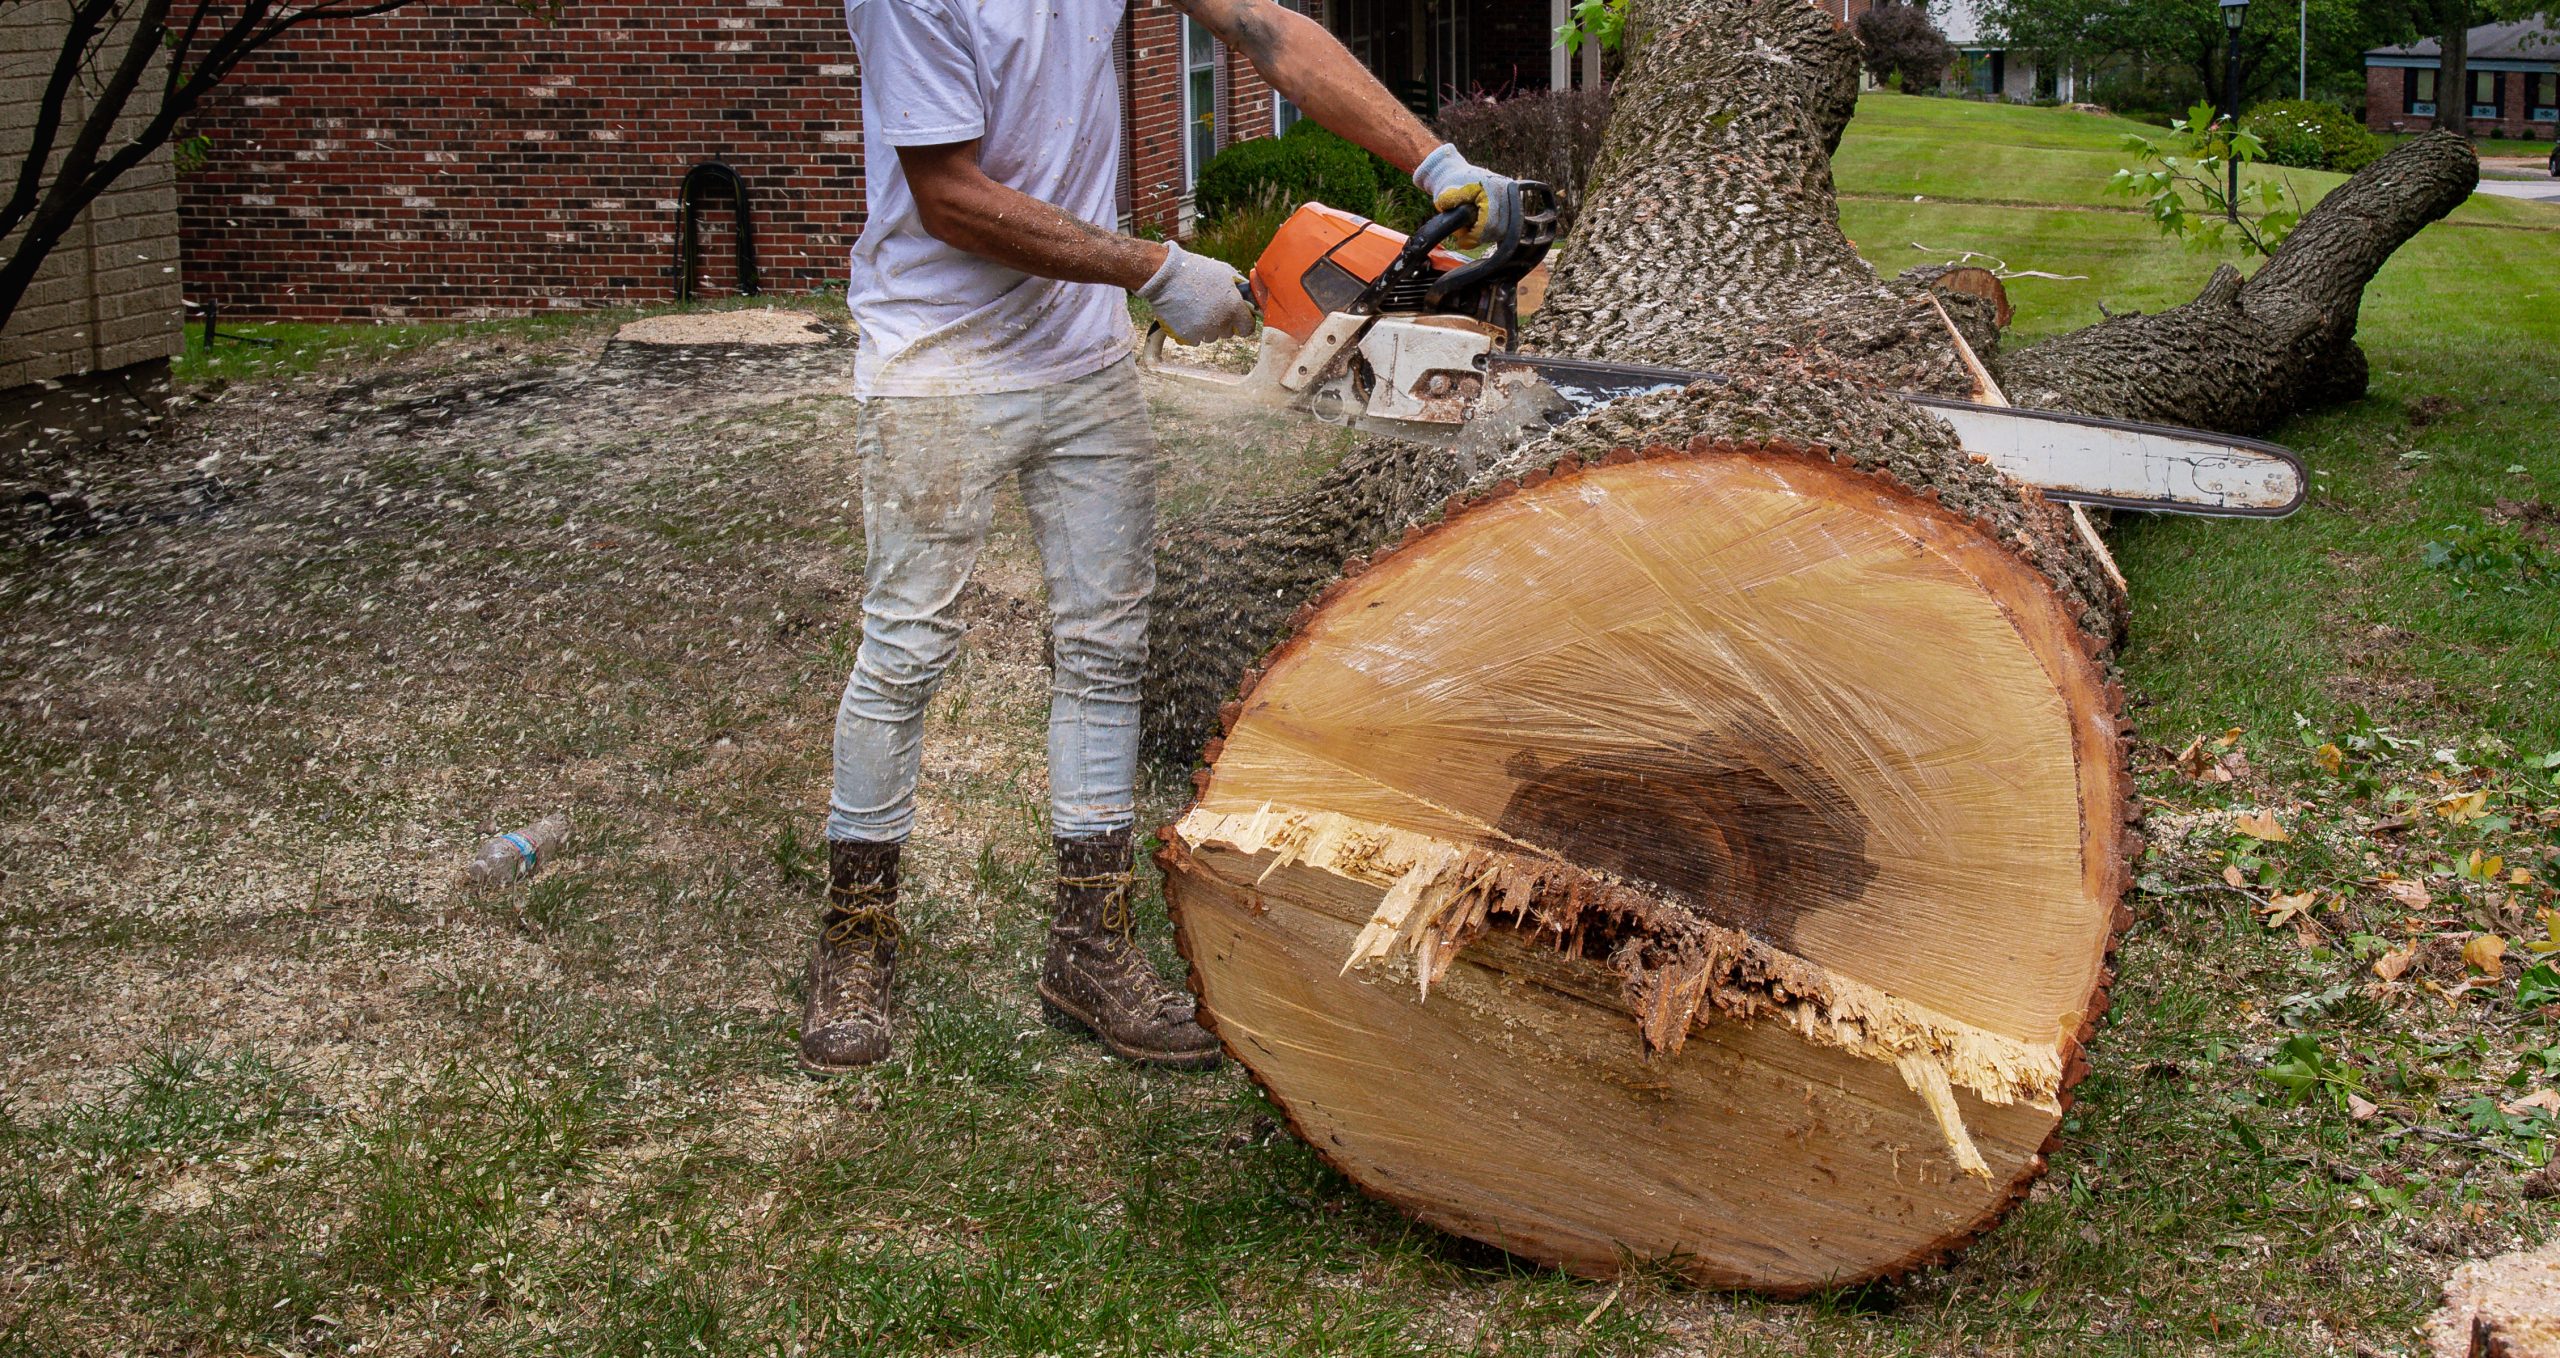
(1116, 949)
(858, 915)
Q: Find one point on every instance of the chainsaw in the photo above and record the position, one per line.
(1398, 335)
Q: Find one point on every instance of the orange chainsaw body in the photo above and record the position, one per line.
(1318, 261)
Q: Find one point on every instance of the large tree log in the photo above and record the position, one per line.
(1695, 832)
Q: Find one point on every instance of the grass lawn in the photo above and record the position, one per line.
(274, 1084)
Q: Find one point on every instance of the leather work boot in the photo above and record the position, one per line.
(1095, 977)
(844, 1022)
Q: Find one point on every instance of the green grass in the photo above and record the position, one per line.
(276, 1086)
(2248, 623)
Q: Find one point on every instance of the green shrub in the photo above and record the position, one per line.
(1303, 165)
(2309, 135)
(1293, 169)
(1240, 235)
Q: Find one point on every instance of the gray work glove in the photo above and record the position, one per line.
(1450, 180)
(1198, 298)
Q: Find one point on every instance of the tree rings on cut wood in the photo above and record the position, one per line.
(1706, 854)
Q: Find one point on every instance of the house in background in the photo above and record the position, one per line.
(1988, 69)
(87, 350)
(2514, 74)
(1984, 67)
(453, 160)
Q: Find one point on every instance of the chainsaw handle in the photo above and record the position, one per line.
(1432, 233)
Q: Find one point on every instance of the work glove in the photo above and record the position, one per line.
(1450, 180)
(1198, 298)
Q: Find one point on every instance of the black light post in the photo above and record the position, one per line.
(2233, 12)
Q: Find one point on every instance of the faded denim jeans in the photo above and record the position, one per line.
(1085, 456)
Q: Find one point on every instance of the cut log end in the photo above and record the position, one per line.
(1709, 856)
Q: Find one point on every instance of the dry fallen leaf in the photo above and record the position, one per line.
(2361, 1108)
(2391, 966)
(2193, 761)
(2410, 894)
(2330, 758)
(2463, 807)
(2486, 954)
(2261, 824)
(2287, 908)
(2232, 876)
(2540, 1100)
(2520, 877)
(2227, 739)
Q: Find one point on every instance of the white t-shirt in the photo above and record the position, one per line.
(1031, 80)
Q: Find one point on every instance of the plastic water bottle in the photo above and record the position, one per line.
(518, 854)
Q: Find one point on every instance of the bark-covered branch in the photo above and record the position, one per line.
(2243, 356)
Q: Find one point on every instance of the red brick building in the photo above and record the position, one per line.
(2514, 75)
(455, 159)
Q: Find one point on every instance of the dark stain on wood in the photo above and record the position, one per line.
(1740, 825)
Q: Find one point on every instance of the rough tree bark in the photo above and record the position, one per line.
(1714, 238)
(1671, 711)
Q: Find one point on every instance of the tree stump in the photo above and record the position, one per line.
(1696, 833)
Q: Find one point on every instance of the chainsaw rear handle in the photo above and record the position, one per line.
(1529, 228)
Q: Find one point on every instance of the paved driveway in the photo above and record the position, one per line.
(2540, 190)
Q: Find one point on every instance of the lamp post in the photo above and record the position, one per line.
(2233, 13)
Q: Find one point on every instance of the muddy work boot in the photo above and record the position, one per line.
(1095, 977)
(844, 1023)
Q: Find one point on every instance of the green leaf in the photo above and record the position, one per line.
(2536, 986)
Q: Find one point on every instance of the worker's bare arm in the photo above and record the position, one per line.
(1312, 67)
(966, 210)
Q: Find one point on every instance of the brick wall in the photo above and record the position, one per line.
(1158, 196)
(1153, 115)
(457, 159)
(107, 297)
(2385, 95)
(463, 159)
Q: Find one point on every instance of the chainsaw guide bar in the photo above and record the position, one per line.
(1390, 334)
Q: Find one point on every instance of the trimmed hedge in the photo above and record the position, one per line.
(2309, 135)
(1306, 164)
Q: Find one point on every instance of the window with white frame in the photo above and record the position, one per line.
(2420, 89)
(2484, 94)
(1200, 55)
(1285, 115)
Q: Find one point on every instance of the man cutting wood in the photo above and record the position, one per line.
(988, 286)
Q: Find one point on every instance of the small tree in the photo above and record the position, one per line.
(1897, 39)
(140, 67)
(2193, 163)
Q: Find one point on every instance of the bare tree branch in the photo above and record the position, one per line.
(87, 19)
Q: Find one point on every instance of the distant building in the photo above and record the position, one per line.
(88, 348)
(2514, 77)
(1984, 67)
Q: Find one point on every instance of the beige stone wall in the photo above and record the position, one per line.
(109, 295)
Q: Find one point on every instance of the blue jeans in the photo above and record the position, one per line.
(1085, 456)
